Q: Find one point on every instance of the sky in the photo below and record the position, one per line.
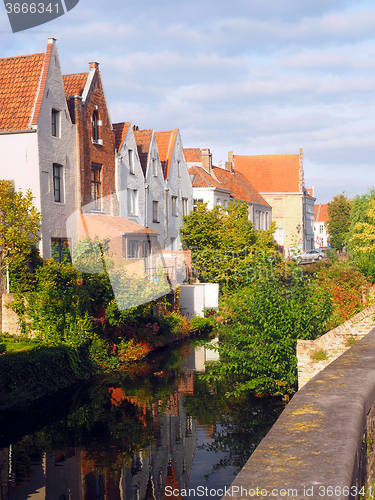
(248, 76)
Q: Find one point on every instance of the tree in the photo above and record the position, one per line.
(225, 248)
(339, 220)
(363, 238)
(19, 224)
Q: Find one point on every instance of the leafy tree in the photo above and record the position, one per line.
(339, 220)
(363, 239)
(262, 323)
(19, 224)
(225, 248)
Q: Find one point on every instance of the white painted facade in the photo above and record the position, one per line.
(179, 187)
(27, 158)
(213, 196)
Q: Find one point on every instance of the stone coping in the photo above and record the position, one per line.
(316, 442)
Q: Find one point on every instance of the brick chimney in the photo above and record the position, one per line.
(207, 160)
(94, 65)
(229, 164)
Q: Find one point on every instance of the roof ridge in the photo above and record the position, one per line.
(19, 57)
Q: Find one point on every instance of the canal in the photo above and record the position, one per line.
(149, 434)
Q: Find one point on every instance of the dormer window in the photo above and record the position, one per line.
(95, 127)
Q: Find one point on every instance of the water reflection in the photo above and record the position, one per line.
(147, 435)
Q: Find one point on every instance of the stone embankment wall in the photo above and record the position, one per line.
(316, 448)
(8, 318)
(333, 343)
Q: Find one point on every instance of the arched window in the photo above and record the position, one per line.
(95, 126)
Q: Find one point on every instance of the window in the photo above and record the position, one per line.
(179, 168)
(60, 250)
(218, 202)
(267, 222)
(173, 244)
(132, 202)
(145, 249)
(321, 229)
(55, 123)
(155, 211)
(131, 161)
(133, 250)
(57, 182)
(279, 236)
(154, 167)
(196, 201)
(96, 185)
(174, 206)
(95, 127)
(184, 206)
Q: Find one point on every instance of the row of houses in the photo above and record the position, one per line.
(91, 176)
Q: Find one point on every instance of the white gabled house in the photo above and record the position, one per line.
(178, 187)
(38, 141)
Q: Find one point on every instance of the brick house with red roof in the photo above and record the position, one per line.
(38, 141)
(280, 181)
(217, 186)
(320, 230)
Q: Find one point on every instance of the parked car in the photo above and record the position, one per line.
(311, 256)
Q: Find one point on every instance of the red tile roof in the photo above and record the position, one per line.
(123, 226)
(120, 130)
(271, 173)
(20, 78)
(74, 84)
(193, 155)
(166, 141)
(321, 212)
(203, 179)
(310, 192)
(143, 140)
(239, 185)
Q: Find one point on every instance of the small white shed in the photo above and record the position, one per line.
(195, 298)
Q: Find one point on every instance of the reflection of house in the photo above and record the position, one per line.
(280, 180)
(37, 139)
(217, 186)
(320, 231)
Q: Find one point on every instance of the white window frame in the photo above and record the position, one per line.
(131, 161)
(155, 211)
(58, 183)
(174, 206)
(55, 123)
(132, 202)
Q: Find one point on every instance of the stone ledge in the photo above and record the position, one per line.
(317, 440)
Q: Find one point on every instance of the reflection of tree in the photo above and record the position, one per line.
(240, 424)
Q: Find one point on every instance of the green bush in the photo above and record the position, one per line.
(3, 347)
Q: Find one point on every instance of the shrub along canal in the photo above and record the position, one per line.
(149, 434)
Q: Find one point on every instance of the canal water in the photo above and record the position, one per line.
(158, 432)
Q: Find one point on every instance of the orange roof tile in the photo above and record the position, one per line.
(20, 78)
(271, 173)
(120, 130)
(74, 84)
(240, 187)
(143, 140)
(321, 212)
(203, 179)
(193, 155)
(123, 226)
(310, 192)
(165, 142)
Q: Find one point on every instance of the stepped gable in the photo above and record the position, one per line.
(271, 173)
(143, 140)
(321, 212)
(193, 155)
(120, 130)
(74, 84)
(165, 142)
(203, 179)
(22, 82)
(240, 187)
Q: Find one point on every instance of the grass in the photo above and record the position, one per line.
(319, 355)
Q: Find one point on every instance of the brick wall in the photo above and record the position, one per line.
(8, 317)
(333, 343)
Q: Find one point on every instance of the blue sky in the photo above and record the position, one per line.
(252, 76)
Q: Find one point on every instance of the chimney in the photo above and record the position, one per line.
(207, 160)
(94, 65)
(230, 162)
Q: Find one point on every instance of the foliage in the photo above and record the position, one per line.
(362, 240)
(347, 287)
(360, 205)
(262, 322)
(201, 324)
(19, 224)
(3, 347)
(225, 248)
(339, 220)
(133, 350)
(319, 355)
